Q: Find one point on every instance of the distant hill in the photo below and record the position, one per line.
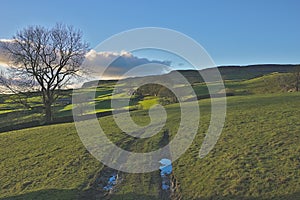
(98, 82)
(238, 72)
(227, 73)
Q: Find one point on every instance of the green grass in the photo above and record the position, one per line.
(267, 84)
(256, 157)
(148, 102)
(44, 158)
(12, 113)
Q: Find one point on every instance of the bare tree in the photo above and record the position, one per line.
(45, 60)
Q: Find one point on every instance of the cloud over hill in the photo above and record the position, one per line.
(115, 64)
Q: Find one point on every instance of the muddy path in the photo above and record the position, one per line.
(101, 189)
(169, 188)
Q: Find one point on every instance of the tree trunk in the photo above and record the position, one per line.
(48, 112)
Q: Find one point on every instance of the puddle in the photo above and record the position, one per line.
(165, 171)
(112, 181)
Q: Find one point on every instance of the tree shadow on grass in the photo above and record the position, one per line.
(133, 196)
(45, 194)
(293, 196)
(55, 194)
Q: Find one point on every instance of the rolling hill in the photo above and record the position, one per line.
(257, 157)
(237, 73)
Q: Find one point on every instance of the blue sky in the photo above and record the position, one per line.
(232, 31)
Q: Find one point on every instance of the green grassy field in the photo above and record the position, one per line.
(256, 157)
(44, 159)
(12, 113)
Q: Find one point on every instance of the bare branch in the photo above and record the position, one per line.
(47, 58)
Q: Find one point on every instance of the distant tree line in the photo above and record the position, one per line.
(166, 96)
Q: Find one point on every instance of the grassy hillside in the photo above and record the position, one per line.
(236, 73)
(44, 163)
(257, 156)
(267, 84)
(12, 113)
(239, 80)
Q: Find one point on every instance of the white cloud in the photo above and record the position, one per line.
(4, 59)
(121, 62)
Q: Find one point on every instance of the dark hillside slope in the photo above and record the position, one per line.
(227, 73)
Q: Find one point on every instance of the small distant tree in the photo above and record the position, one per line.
(296, 75)
(167, 96)
(44, 60)
(290, 81)
(149, 89)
